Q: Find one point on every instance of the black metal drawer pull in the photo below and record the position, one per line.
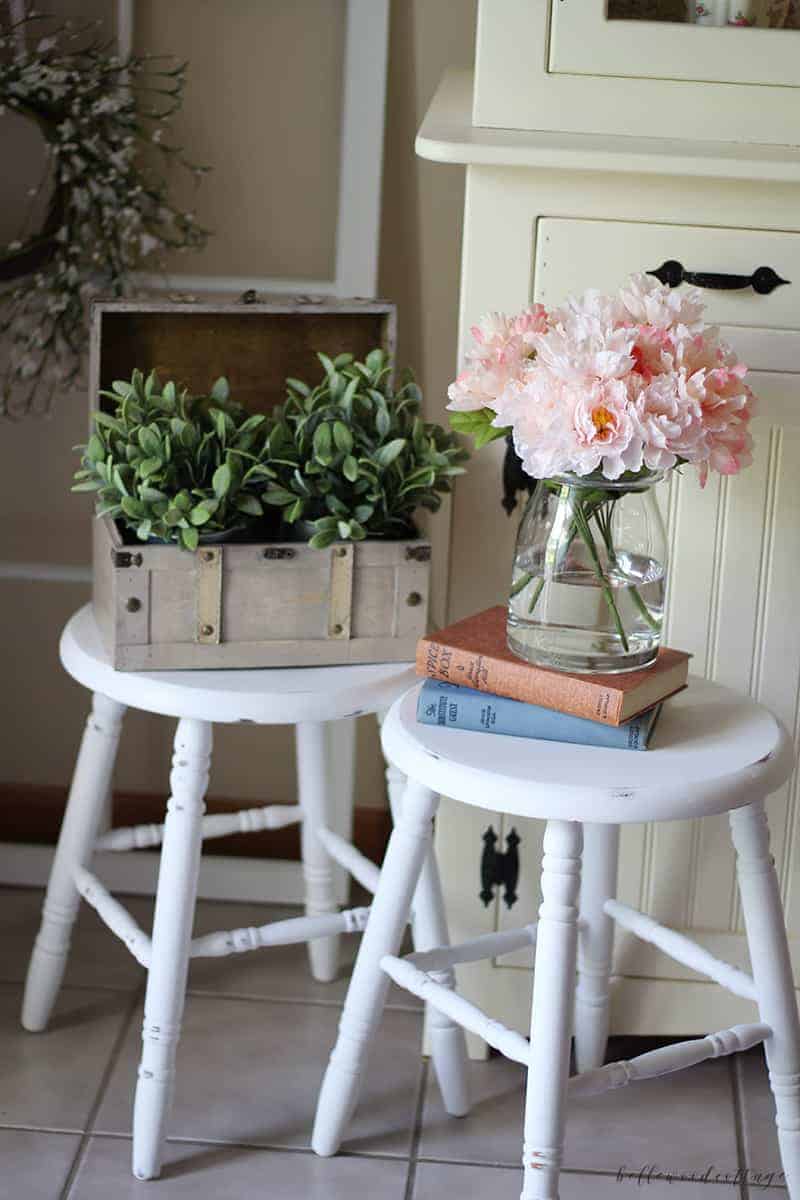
(763, 280)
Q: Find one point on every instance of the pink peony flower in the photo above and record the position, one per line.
(502, 347)
(633, 382)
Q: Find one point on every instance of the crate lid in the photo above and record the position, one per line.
(255, 345)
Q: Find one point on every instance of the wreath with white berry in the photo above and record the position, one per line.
(105, 122)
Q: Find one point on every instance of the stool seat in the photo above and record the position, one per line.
(271, 696)
(713, 750)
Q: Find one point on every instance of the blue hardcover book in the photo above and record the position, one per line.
(462, 708)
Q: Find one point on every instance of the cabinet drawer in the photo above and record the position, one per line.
(572, 255)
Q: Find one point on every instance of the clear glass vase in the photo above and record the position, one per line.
(587, 592)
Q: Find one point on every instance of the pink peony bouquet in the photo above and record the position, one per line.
(612, 387)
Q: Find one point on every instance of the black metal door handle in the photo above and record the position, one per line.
(763, 280)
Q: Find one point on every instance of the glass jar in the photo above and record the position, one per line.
(587, 592)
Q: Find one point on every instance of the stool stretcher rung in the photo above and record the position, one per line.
(682, 949)
(278, 933)
(248, 820)
(362, 869)
(667, 1059)
(489, 945)
(114, 915)
(510, 1043)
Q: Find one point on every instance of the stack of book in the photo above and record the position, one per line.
(475, 682)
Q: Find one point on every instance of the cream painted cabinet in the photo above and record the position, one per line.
(537, 229)
(588, 66)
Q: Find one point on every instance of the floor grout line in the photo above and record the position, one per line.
(416, 1136)
(105, 1078)
(293, 1000)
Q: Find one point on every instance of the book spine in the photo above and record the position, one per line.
(548, 689)
(462, 708)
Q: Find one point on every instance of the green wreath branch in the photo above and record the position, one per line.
(105, 123)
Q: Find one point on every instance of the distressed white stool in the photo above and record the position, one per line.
(305, 697)
(715, 752)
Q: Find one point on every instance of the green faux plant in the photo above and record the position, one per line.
(172, 466)
(352, 457)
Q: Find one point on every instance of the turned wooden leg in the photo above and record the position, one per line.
(595, 943)
(772, 973)
(366, 996)
(315, 788)
(552, 1011)
(429, 929)
(172, 931)
(91, 782)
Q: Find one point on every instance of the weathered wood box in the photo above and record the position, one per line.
(265, 604)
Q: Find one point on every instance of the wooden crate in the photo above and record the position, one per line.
(248, 604)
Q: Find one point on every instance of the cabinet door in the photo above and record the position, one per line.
(586, 39)
(733, 595)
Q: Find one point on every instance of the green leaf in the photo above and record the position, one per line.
(122, 388)
(199, 515)
(105, 419)
(294, 511)
(350, 468)
(148, 466)
(330, 369)
(134, 508)
(119, 482)
(190, 538)
(342, 437)
(375, 360)
(278, 496)
(298, 386)
(344, 529)
(87, 485)
(144, 529)
(95, 450)
(320, 540)
(220, 390)
(221, 480)
(250, 504)
(169, 394)
(323, 444)
(388, 453)
(383, 422)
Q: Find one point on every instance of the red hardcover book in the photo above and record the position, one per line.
(474, 654)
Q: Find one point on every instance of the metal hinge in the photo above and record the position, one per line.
(125, 559)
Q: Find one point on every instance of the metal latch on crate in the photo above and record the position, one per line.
(340, 602)
(208, 629)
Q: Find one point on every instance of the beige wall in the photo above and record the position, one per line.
(267, 120)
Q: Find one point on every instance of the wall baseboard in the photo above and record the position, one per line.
(30, 818)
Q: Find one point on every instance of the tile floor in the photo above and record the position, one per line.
(256, 1036)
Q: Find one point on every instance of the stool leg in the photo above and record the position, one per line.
(91, 781)
(315, 787)
(172, 931)
(366, 996)
(595, 943)
(552, 1011)
(429, 929)
(772, 973)
(448, 1043)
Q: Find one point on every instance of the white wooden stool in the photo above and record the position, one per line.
(715, 751)
(305, 697)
